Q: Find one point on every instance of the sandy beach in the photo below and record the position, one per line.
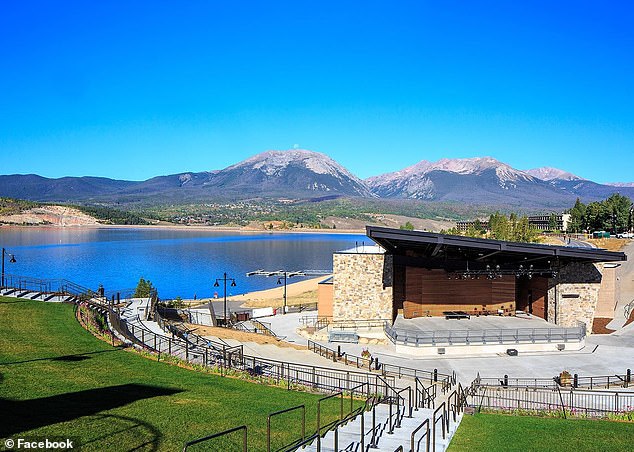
(300, 292)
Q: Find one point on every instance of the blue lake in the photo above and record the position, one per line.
(178, 262)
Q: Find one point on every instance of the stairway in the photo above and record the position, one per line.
(349, 435)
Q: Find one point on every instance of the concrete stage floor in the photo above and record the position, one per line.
(490, 322)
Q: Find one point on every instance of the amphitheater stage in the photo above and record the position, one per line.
(429, 336)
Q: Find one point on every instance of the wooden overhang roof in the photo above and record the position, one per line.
(442, 246)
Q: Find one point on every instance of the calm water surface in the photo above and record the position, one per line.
(179, 263)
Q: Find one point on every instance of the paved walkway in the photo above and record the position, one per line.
(602, 355)
(625, 287)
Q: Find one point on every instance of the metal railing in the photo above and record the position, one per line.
(353, 324)
(489, 336)
(193, 316)
(263, 328)
(301, 307)
(415, 445)
(315, 321)
(575, 381)
(434, 376)
(590, 403)
(197, 350)
(280, 412)
(424, 396)
(332, 424)
(49, 286)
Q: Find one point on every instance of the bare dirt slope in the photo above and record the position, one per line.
(52, 215)
(228, 333)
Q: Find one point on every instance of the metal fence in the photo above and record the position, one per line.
(591, 403)
(446, 381)
(575, 381)
(196, 350)
(483, 337)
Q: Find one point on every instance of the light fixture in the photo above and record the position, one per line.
(216, 284)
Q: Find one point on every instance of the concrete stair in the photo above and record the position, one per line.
(349, 435)
(33, 295)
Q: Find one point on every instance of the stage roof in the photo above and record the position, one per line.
(438, 246)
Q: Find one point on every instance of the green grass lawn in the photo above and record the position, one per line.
(57, 380)
(498, 432)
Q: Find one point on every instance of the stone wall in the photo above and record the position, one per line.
(362, 286)
(573, 294)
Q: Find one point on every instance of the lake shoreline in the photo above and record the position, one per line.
(176, 227)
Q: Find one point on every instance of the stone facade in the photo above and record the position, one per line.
(362, 286)
(573, 294)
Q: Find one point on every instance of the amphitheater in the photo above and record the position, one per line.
(416, 384)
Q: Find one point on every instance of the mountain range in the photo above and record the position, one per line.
(303, 174)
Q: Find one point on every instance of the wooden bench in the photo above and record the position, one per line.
(343, 336)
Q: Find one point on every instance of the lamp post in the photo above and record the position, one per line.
(224, 279)
(11, 260)
(283, 275)
(279, 281)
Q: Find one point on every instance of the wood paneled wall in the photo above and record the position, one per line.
(535, 289)
(430, 292)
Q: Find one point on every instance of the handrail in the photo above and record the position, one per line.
(413, 444)
(287, 410)
(396, 394)
(576, 381)
(266, 330)
(337, 423)
(157, 342)
(316, 321)
(585, 401)
(247, 358)
(356, 323)
(216, 435)
(336, 394)
(429, 394)
(497, 336)
(48, 286)
(442, 407)
(385, 368)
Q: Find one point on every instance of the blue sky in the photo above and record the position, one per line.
(134, 89)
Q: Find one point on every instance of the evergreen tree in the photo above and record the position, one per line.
(577, 217)
(144, 288)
